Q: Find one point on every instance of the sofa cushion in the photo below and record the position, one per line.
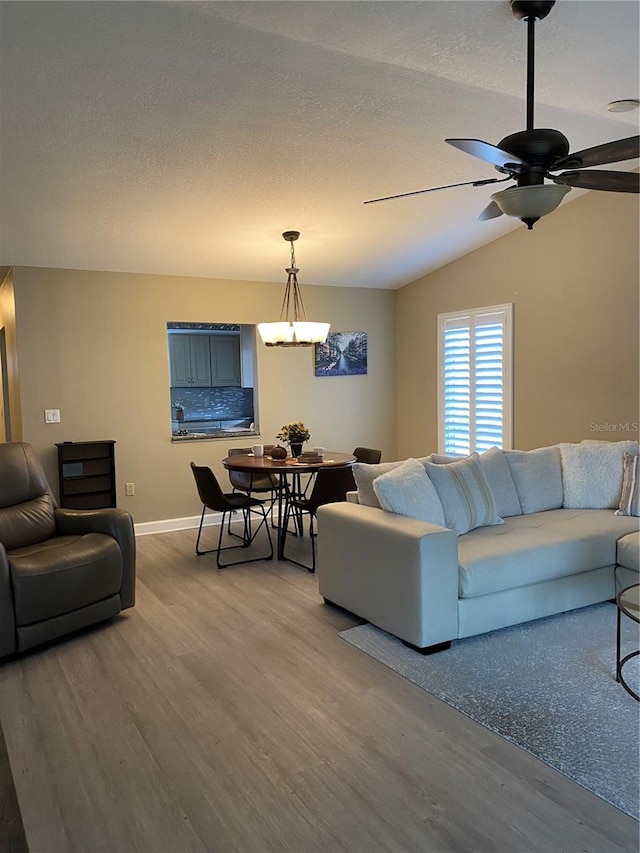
(465, 494)
(592, 473)
(628, 551)
(630, 493)
(537, 475)
(364, 475)
(407, 490)
(498, 475)
(63, 574)
(537, 547)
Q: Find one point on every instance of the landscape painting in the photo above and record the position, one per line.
(342, 354)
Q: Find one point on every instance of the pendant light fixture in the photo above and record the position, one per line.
(293, 328)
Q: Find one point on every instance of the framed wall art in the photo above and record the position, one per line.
(342, 354)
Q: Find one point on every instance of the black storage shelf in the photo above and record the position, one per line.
(87, 474)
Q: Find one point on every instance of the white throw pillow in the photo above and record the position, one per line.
(630, 496)
(592, 473)
(465, 494)
(364, 475)
(407, 490)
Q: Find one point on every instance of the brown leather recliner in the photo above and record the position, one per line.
(60, 569)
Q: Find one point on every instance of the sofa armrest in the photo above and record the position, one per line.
(8, 641)
(399, 573)
(113, 522)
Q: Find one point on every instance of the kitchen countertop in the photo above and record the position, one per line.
(224, 433)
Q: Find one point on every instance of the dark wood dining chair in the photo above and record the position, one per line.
(214, 499)
(367, 455)
(330, 486)
(259, 484)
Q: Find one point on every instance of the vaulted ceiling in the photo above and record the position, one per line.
(183, 138)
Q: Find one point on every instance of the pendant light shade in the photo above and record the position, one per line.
(293, 329)
(530, 203)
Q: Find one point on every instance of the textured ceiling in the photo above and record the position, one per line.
(183, 138)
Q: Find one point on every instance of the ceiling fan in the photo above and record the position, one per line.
(530, 156)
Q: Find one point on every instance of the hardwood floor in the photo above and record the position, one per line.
(12, 838)
(224, 713)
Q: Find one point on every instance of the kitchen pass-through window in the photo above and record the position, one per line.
(212, 380)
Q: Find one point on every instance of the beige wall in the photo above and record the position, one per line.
(573, 281)
(94, 345)
(10, 417)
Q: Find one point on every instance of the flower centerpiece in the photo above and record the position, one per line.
(294, 434)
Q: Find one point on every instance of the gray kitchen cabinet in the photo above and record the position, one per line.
(225, 359)
(190, 361)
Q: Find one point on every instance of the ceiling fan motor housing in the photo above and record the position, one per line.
(538, 9)
(540, 149)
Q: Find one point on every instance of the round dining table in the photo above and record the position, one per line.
(283, 468)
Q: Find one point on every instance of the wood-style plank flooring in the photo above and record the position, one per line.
(224, 713)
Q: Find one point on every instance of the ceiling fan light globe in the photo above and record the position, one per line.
(624, 105)
(530, 203)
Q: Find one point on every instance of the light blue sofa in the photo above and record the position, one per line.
(428, 586)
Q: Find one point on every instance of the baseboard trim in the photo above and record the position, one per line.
(167, 525)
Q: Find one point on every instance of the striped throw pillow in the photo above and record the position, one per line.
(630, 497)
(465, 494)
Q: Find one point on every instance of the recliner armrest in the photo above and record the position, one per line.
(8, 642)
(113, 522)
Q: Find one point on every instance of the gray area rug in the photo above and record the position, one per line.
(548, 686)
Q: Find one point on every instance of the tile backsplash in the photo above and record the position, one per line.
(223, 403)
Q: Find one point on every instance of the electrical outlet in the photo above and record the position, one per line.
(129, 489)
(52, 416)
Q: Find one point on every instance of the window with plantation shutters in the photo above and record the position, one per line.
(474, 389)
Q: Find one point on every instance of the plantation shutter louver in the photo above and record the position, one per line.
(475, 380)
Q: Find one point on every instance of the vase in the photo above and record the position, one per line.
(296, 448)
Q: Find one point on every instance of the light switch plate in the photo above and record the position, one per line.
(52, 416)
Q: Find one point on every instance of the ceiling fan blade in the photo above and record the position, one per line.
(491, 211)
(609, 152)
(487, 152)
(446, 187)
(613, 182)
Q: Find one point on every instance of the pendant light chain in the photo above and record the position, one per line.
(292, 299)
